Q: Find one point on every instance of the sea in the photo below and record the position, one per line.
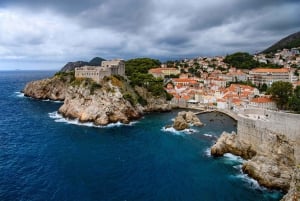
(46, 157)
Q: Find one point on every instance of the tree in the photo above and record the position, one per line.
(281, 92)
(264, 87)
(241, 60)
(140, 65)
(294, 101)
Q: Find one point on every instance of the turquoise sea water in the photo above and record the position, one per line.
(44, 157)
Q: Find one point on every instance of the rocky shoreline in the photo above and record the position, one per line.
(275, 169)
(113, 100)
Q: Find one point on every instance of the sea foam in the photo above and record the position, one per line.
(176, 132)
(19, 94)
(59, 118)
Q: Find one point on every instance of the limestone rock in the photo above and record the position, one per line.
(51, 88)
(268, 172)
(184, 119)
(229, 143)
(272, 169)
(180, 123)
(294, 191)
(105, 105)
(154, 103)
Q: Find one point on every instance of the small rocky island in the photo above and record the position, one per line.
(110, 99)
(184, 120)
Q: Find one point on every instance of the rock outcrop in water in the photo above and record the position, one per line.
(53, 88)
(271, 169)
(229, 143)
(184, 119)
(112, 100)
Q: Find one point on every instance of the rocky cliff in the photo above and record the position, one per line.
(272, 170)
(270, 142)
(54, 88)
(99, 103)
(112, 100)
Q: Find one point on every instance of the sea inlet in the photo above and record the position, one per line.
(45, 157)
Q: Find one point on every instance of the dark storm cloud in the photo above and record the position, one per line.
(68, 29)
(126, 15)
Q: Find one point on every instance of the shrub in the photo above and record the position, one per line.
(128, 97)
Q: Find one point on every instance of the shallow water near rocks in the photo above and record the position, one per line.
(44, 157)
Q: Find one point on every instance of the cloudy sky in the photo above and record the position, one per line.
(41, 34)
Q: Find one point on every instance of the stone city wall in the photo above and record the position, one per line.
(261, 128)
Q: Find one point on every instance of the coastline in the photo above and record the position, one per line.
(271, 147)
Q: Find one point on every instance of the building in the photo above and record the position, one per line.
(268, 76)
(185, 82)
(97, 73)
(263, 102)
(162, 72)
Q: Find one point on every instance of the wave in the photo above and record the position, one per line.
(176, 132)
(48, 100)
(233, 158)
(252, 183)
(207, 152)
(59, 118)
(208, 135)
(19, 94)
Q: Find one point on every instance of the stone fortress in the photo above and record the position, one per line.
(97, 73)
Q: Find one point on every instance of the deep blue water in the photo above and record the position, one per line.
(44, 159)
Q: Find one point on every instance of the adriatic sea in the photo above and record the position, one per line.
(45, 157)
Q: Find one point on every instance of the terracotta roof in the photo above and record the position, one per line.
(159, 70)
(270, 70)
(261, 100)
(185, 80)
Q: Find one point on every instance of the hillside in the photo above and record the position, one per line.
(70, 66)
(288, 42)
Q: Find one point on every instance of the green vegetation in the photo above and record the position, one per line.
(281, 92)
(87, 82)
(140, 65)
(94, 86)
(294, 101)
(263, 87)
(137, 72)
(288, 42)
(66, 76)
(241, 60)
(129, 97)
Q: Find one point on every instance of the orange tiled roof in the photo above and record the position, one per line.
(159, 70)
(185, 80)
(261, 100)
(270, 70)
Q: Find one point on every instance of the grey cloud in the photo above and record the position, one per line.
(158, 28)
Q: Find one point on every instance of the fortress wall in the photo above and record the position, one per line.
(262, 133)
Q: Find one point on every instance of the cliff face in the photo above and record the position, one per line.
(101, 104)
(271, 169)
(53, 89)
(270, 142)
(154, 104)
